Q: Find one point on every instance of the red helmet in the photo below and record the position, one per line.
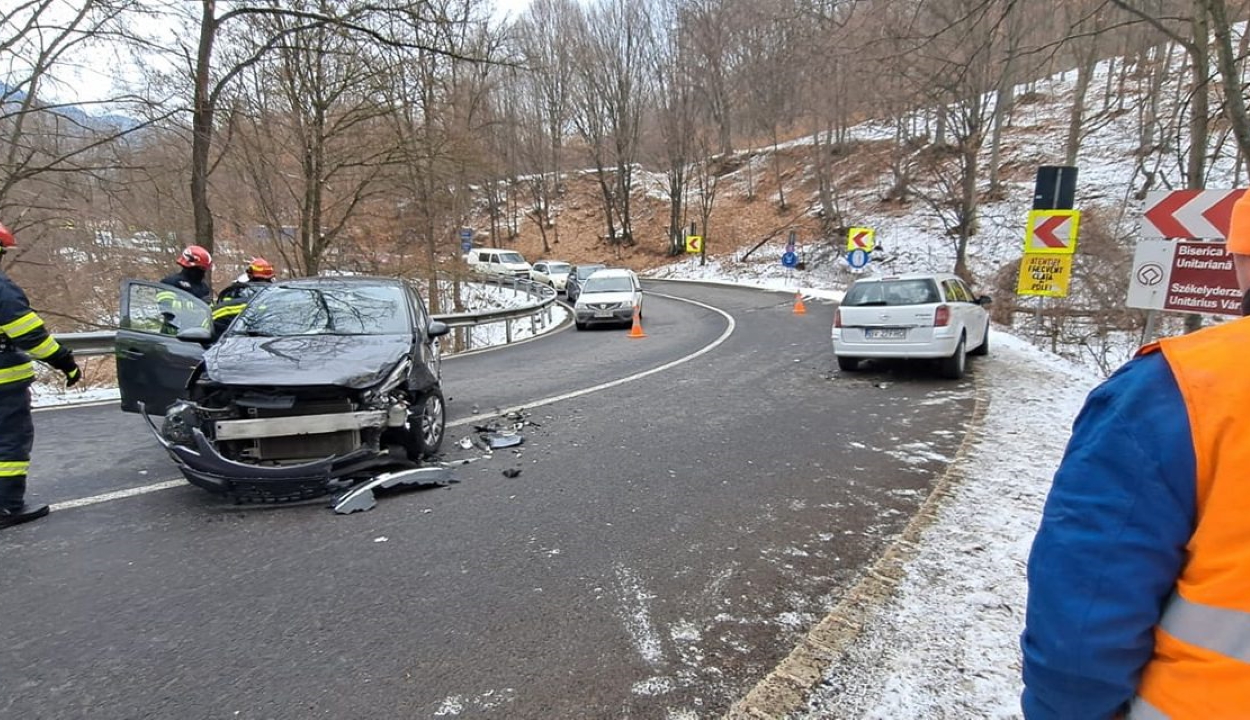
(6, 238)
(195, 257)
(259, 269)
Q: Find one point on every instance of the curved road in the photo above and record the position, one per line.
(668, 540)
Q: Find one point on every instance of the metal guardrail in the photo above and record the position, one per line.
(100, 342)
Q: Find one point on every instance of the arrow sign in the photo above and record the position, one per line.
(860, 238)
(1052, 232)
(1190, 214)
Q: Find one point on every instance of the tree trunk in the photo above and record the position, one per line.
(202, 128)
(1076, 116)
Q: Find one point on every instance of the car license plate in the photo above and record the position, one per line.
(603, 313)
(885, 333)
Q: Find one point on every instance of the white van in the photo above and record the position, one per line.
(493, 261)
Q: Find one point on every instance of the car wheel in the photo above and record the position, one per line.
(427, 421)
(579, 325)
(848, 364)
(984, 347)
(953, 366)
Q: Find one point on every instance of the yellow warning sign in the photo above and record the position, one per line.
(1046, 275)
(1052, 232)
(861, 238)
(694, 243)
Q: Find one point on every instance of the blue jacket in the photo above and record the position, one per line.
(1110, 546)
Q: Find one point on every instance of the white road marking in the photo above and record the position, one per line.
(118, 495)
(476, 419)
(167, 484)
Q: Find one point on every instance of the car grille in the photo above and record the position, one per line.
(604, 306)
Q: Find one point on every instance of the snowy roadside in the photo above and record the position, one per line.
(945, 645)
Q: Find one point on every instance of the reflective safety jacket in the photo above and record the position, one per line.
(22, 337)
(232, 302)
(1139, 578)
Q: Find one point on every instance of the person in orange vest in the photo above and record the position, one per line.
(1139, 576)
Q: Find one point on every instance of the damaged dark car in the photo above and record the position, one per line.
(319, 383)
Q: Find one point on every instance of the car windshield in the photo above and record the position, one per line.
(333, 310)
(615, 283)
(558, 268)
(511, 257)
(585, 271)
(919, 291)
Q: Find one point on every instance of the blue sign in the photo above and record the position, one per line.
(466, 245)
(790, 259)
(466, 234)
(790, 243)
(857, 258)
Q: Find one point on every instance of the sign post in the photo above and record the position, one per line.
(466, 239)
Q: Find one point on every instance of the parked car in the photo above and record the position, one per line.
(577, 276)
(494, 261)
(608, 296)
(318, 383)
(554, 273)
(911, 316)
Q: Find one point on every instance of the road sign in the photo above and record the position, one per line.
(1044, 275)
(694, 243)
(789, 259)
(1191, 277)
(858, 258)
(1052, 232)
(1188, 213)
(861, 238)
(466, 234)
(466, 245)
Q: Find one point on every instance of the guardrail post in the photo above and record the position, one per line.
(507, 331)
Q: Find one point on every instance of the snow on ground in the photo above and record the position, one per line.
(946, 645)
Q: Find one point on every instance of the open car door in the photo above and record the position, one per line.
(153, 363)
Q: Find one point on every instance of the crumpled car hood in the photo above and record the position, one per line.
(352, 361)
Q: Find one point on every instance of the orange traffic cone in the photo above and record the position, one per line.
(799, 307)
(636, 330)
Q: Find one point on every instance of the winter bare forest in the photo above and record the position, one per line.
(342, 135)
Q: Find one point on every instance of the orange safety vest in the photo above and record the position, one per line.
(1201, 664)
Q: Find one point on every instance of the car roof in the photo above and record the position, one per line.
(938, 277)
(333, 280)
(613, 272)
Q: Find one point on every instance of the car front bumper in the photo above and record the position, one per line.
(203, 466)
(590, 317)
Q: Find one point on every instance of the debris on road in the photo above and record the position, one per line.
(361, 497)
(512, 472)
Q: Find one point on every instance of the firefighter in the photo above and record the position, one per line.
(195, 263)
(22, 337)
(233, 300)
(179, 314)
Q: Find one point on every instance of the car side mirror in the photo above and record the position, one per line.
(437, 328)
(196, 334)
(985, 300)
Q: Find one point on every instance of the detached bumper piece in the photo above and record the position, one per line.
(204, 467)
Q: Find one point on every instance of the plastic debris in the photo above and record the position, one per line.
(512, 472)
(361, 497)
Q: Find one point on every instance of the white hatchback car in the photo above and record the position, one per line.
(608, 296)
(920, 315)
(551, 272)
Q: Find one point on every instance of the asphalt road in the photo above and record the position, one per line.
(668, 540)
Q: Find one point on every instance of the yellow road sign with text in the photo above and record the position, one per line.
(1045, 275)
(694, 243)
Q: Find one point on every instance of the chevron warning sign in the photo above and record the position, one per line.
(861, 238)
(1188, 214)
(1052, 232)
